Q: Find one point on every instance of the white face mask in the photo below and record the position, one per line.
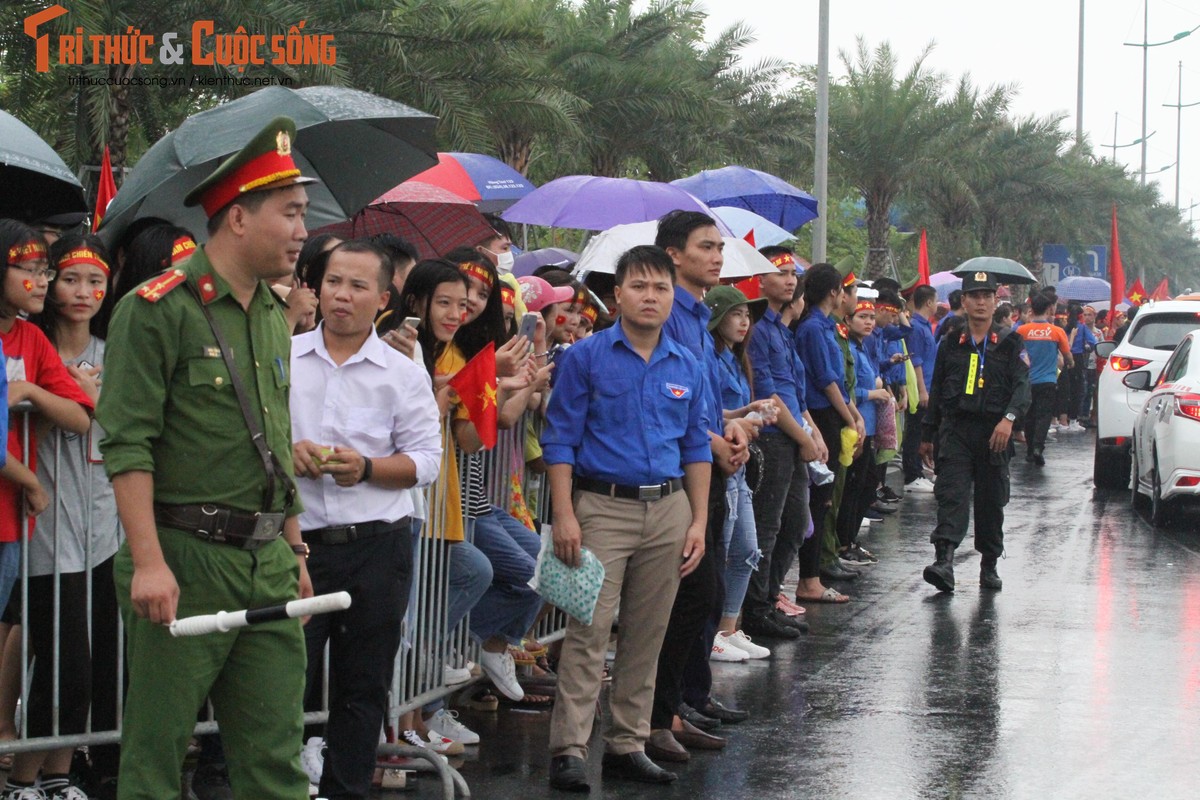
(504, 260)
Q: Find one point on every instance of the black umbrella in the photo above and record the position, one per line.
(35, 181)
(1005, 269)
(358, 144)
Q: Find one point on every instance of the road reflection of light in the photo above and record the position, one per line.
(1103, 623)
(1190, 652)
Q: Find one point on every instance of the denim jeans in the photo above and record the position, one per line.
(10, 569)
(741, 543)
(509, 606)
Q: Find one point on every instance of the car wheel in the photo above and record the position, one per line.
(1135, 495)
(1110, 467)
(1158, 506)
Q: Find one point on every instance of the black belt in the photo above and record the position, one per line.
(654, 491)
(344, 534)
(248, 530)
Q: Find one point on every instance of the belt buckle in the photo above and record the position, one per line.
(647, 493)
(210, 513)
(266, 526)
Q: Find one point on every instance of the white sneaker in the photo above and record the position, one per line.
(920, 486)
(741, 641)
(455, 675)
(722, 650)
(414, 739)
(445, 722)
(440, 744)
(1075, 427)
(312, 759)
(26, 793)
(69, 793)
(503, 672)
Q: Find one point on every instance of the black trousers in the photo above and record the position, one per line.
(969, 473)
(910, 449)
(363, 640)
(1039, 415)
(697, 599)
(87, 675)
(1078, 383)
(820, 499)
(776, 529)
(857, 496)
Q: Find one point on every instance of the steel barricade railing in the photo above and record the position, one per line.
(419, 675)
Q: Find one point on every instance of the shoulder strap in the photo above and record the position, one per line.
(271, 466)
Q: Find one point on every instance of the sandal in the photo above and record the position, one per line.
(830, 595)
(535, 648)
(520, 656)
(532, 702)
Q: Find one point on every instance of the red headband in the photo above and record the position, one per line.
(864, 305)
(886, 307)
(507, 296)
(590, 313)
(32, 250)
(182, 248)
(81, 256)
(784, 260)
(475, 271)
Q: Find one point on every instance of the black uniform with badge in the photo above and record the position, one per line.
(975, 386)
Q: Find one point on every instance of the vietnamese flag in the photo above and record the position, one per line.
(1116, 272)
(1162, 291)
(476, 387)
(105, 192)
(923, 261)
(1137, 293)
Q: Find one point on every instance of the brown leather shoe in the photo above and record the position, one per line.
(696, 739)
(662, 746)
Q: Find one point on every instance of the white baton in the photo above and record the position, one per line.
(228, 620)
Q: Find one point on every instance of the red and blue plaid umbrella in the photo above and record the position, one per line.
(432, 219)
(488, 182)
(760, 192)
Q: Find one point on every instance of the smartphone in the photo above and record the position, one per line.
(412, 322)
(86, 365)
(528, 326)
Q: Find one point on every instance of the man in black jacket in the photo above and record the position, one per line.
(980, 387)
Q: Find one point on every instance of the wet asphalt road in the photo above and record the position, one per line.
(1081, 679)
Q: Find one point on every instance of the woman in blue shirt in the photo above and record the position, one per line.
(732, 317)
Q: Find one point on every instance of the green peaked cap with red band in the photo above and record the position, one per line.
(264, 163)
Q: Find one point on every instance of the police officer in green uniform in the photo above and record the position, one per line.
(980, 386)
(208, 508)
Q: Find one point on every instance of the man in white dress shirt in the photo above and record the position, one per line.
(365, 427)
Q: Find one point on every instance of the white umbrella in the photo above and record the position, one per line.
(603, 251)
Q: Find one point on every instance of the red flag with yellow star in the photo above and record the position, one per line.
(476, 387)
(106, 191)
(1137, 292)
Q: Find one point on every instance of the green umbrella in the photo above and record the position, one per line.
(35, 180)
(1005, 269)
(358, 145)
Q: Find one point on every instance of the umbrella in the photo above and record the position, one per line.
(35, 180)
(945, 283)
(527, 263)
(488, 182)
(760, 192)
(358, 144)
(602, 252)
(1102, 305)
(597, 204)
(1005, 269)
(432, 219)
(757, 230)
(1084, 289)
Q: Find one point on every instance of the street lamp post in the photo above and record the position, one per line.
(1179, 106)
(821, 156)
(1079, 86)
(1146, 44)
(1114, 145)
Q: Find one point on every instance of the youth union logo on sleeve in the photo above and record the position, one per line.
(678, 391)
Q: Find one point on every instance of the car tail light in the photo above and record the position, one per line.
(1188, 405)
(1188, 480)
(1124, 364)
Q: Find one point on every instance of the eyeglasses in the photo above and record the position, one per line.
(38, 273)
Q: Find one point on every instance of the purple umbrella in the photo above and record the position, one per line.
(597, 204)
(1084, 289)
(760, 192)
(526, 263)
(945, 283)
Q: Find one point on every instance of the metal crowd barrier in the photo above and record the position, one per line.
(419, 676)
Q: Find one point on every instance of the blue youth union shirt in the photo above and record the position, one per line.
(777, 369)
(619, 419)
(822, 357)
(688, 326)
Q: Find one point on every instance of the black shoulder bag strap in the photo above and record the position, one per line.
(271, 466)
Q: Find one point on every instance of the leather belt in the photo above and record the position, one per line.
(649, 493)
(247, 530)
(344, 534)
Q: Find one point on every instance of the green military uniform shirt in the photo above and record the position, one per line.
(168, 405)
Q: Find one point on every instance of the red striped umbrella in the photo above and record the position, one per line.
(433, 220)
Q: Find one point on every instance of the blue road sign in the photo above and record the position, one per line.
(1064, 261)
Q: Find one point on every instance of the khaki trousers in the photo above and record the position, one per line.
(641, 547)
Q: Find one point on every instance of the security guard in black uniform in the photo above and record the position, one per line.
(980, 386)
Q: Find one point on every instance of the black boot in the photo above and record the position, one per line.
(988, 577)
(941, 572)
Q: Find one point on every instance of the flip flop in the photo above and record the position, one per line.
(828, 596)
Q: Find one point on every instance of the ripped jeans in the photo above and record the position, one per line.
(741, 542)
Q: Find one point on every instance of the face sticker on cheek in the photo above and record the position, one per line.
(28, 284)
(560, 320)
(98, 294)
(462, 318)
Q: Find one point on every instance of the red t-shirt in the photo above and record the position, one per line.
(29, 356)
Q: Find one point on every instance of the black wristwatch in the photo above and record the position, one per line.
(367, 470)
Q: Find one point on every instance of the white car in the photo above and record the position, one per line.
(1152, 336)
(1165, 452)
